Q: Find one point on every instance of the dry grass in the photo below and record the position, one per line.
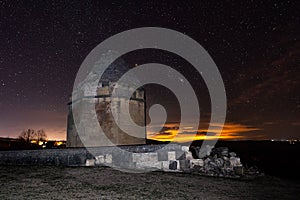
(40, 182)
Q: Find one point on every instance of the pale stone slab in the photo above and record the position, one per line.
(148, 165)
(235, 162)
(135, 157)
(108, 158)
(185, 148)
(162, 155)
(165, 165)
(99, 160)
(196, 162)
(178, 164)
(171, 155)
(153, 157)
(145, 157)
(90, 162)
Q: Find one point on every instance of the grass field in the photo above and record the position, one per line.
(40, 182)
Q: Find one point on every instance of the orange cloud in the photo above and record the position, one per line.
(171, 132)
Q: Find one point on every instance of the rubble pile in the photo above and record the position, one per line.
(219, 162)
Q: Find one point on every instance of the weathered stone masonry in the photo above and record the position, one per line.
(104, 107)
(123, 156)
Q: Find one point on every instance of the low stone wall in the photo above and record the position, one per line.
(125, 157)
(64, 157)
(207, 161)
(145, 157)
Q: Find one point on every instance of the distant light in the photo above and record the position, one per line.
(58, 143)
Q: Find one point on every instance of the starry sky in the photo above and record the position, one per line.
(255, 45)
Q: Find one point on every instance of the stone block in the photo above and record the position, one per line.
(145, 157)
(121, 158)
(162, 156)
(178, 165)
(171, 155)
(148, 165)
(165, 165)
(153, 157)
(184, 165)
(108, 159)
(135, 157)
(235, 162)
(90, 162)
(99, 160)
(179, 155)
(185, 148)
(196, 162)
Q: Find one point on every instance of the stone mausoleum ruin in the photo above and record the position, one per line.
(104, 107)
(132, 154)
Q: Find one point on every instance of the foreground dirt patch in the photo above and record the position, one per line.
(40, 182)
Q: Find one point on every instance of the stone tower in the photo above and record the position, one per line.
(103, 108)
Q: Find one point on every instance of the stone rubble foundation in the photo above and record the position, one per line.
(207, 161)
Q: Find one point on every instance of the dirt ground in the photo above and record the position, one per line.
(40, 182)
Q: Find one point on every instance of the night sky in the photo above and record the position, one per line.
(255, 45)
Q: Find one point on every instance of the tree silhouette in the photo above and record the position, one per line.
(30, 134)
(41, 135)
(27, 135)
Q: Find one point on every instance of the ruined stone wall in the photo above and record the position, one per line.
(217, 162)
(103, 108)
(81, 156)
(107, 122)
